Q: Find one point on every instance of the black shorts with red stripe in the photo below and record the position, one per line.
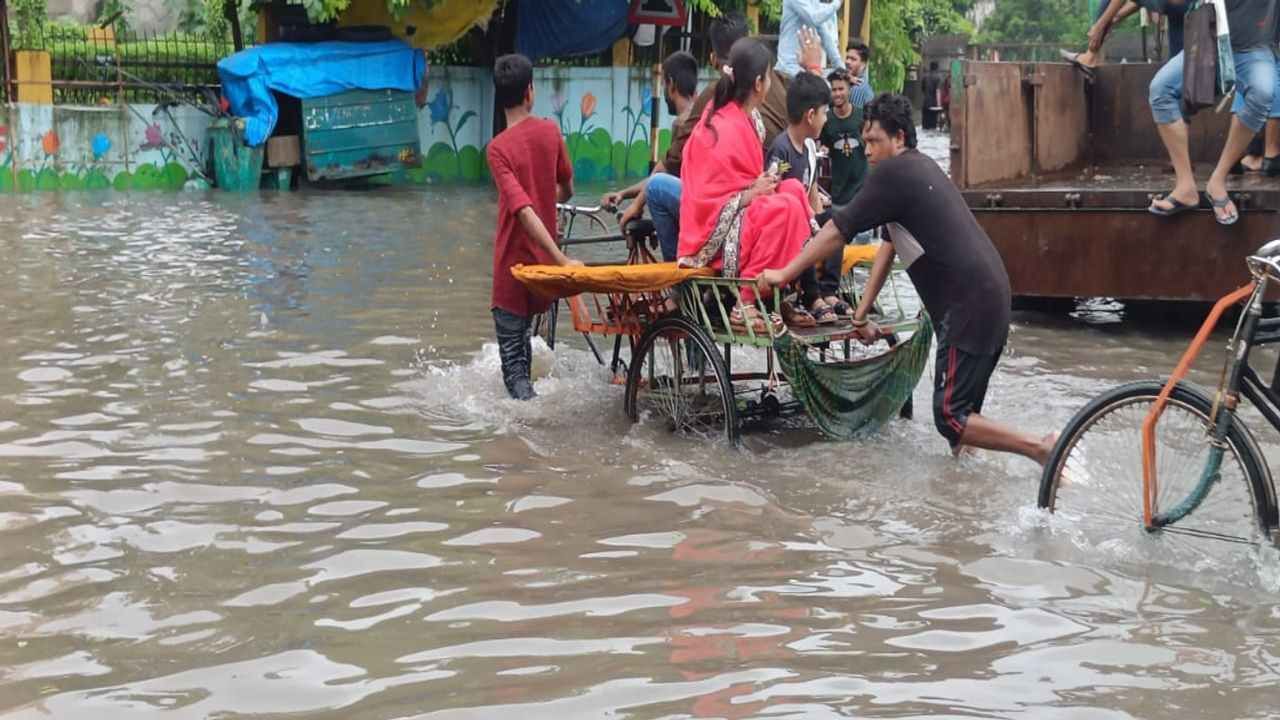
(959, 387)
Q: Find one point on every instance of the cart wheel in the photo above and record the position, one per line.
(677, 375)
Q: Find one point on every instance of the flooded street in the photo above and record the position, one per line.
(256, 460)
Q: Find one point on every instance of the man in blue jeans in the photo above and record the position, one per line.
(1253, 30)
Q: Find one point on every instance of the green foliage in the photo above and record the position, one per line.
(1028, 21)
(325, 10)
(110, 8)
(76, 59)
(30, 18)
(899, 26)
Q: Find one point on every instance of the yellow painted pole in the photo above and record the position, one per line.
(865, 30)
(844, 27)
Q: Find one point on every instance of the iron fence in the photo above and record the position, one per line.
(95, 66)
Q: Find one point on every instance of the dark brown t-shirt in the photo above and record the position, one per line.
(773, 111)
(955, 268)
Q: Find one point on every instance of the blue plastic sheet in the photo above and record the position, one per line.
(311, 70)
(551, 28)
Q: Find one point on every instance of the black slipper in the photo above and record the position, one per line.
(1270, 166)
(1073, 58)
(1178, 206)
(1221, 204)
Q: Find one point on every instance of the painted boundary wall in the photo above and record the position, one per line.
(603, 114)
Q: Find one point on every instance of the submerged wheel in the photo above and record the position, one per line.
(677, 377)
(1094, 475)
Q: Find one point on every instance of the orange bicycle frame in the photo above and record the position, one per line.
(1179, 372)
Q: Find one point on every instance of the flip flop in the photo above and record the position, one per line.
(1178, 206)
(1074, 59)
(1220, 205)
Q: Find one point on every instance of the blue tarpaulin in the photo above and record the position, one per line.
(548, 28)
(311, 70)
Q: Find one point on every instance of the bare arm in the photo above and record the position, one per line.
(827, 241)
(1130, 7)
(532, 225)
(879, 272)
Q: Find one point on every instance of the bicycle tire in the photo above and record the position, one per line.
(1113, 487)
(675, 331)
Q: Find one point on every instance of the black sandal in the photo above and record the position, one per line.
(1178, 206)
(824, 315)
(1221, 205)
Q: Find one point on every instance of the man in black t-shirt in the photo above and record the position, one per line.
(952, 263)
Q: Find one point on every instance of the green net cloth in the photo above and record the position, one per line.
(854, 398)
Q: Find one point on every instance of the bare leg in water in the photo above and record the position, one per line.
(979, 432)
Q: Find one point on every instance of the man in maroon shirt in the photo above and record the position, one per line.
(530, 166)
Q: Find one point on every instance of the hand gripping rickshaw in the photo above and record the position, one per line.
(688, 364)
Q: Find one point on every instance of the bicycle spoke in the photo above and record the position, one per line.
(1099, 489)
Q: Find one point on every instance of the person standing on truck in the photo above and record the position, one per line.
(952, 263)
(1253, 35)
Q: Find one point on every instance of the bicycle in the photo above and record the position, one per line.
(1167, 457)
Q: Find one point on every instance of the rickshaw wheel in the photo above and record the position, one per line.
(678, 377)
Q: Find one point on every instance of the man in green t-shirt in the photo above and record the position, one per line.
(842, 136)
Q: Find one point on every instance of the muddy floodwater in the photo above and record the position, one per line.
(256, 461)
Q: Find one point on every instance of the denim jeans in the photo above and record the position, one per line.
(1255, 89)
(662, 195)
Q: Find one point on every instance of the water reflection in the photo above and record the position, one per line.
(256, 459)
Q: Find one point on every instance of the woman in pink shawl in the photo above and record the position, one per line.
(733, 216)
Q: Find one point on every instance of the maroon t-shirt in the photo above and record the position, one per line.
(526, 160)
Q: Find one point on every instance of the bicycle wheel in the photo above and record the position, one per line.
(677, 376)
(1094, 476)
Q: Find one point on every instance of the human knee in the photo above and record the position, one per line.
(1165, 92)
(1257, 105)
(662, 188)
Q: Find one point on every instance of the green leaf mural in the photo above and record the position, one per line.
(148, 177)
(70, 181)
(96, 180)
(472, 162)
(47, 180)
(441, 163)
(123, 181)
(174, 176)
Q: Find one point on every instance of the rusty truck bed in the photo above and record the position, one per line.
(1060, 173)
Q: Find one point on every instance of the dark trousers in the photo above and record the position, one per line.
(516, 350)
(813, 287)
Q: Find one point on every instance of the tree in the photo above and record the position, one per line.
(1048, 21)
(899, 26)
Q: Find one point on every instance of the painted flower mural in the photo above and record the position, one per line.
(153, 138)
(636, 120)
(100, 146)
(558, 103)
(50, 143)
(467, 162)
(586, 108)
